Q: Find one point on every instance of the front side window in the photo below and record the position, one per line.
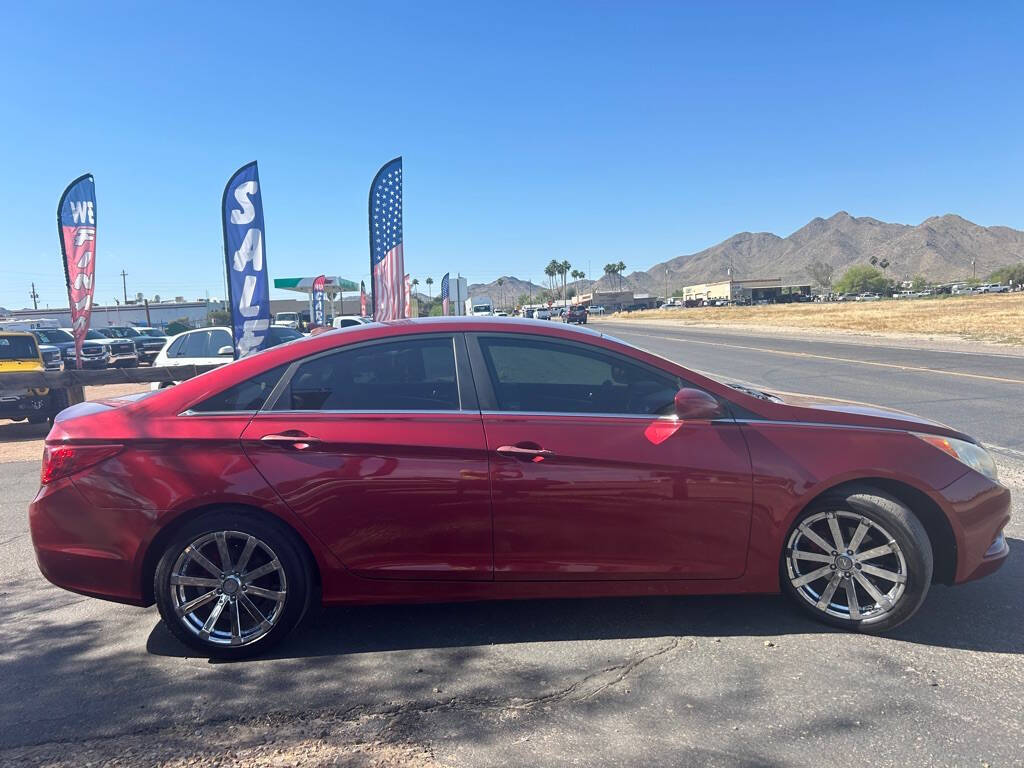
(18, 348)
(54, 336)
(219, 338)
(249, 395)
(551, 377)
(406, 375)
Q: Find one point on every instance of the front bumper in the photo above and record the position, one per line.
(980, 510)
(21, 406)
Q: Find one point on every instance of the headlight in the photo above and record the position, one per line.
(69, 352)
(974, 456)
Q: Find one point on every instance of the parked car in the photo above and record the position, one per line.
(993, 288)
(867, 296)
(576, 314)
(430, 460)
(542, 314)
(288, 319)
(148, 342)
(528, 312)
(20, 352)
(210, 346)
(114, 353)
(347, 321)
(598, 310)
(52, 358)
(94, 353)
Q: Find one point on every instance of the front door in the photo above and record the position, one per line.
(591, 479)
(383, 456)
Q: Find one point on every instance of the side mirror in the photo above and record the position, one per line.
(696, 404)
(226, 351)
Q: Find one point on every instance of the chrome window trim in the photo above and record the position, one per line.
(449, 412)
(190, 412)
(587, 415)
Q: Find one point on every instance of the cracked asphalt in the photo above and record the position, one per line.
(702, 681)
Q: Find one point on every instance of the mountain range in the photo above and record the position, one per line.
(941, 249)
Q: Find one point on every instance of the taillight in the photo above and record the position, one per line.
(62, 460)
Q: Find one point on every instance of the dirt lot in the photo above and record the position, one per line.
(995, 318)
(21, 441)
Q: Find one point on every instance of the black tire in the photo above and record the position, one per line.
(296, 583)
(59, 400)
(38, 419)
(885, 516)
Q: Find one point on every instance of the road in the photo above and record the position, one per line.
(707, 681)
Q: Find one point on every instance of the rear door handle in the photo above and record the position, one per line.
(525, 453)
(297, 441)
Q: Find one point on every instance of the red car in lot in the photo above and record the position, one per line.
(473, 458)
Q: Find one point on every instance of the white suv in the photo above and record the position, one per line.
(210, 346)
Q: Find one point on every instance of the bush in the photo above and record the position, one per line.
(178, 326)
(860, 279)
(1006, 274)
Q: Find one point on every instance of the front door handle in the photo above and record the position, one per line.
(529, 452)
(299, 441)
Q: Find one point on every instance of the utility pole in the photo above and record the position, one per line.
(124, 285)
(35, 297)
(666, 284)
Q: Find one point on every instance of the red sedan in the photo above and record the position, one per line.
(467, 459)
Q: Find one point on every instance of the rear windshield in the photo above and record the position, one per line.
(18, 348)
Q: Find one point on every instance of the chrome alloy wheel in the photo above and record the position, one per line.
(846, 565)
(228, 588)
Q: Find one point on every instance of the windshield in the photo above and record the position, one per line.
(18, 348)
(114, 333)
(287, 316)
(152, 332)
(54, 336)
(95, 335)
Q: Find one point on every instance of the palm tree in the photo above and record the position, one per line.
(429, 281)
(577, 275)
(551, 270)
(562, 268)
(619, 269)
(501, 292)
(609, 270)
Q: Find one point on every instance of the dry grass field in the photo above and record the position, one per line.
(989, 317)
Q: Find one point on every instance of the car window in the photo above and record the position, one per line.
(17, 348)
(406, 375)
(218, 338)
(94, 335)
(54, 336)
(174, 349)
(197, 344)
(543, 376)
(277, 336)
(249, 395)
(346, 322)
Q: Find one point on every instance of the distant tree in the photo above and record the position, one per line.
(861, 278)
(551, 270)
(821, 273)
(1014, 273)
(219, 317)
(562, 269)
(178, 326)
(501, 292)
(919, 283)
(609, 270)
(619, 269)
(429, 281)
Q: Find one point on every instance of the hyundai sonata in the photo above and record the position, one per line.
(466, 459)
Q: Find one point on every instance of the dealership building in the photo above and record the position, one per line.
(754, 291)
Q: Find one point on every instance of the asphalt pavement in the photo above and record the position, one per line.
(666, 681)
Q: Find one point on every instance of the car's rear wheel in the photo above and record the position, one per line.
(859, 560)
(232, 584)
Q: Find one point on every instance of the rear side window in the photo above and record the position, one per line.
(18, 348)
(175, 349)
(249, 395)
(406, 375)
(550, 377)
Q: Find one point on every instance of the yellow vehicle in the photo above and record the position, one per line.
(19, 353)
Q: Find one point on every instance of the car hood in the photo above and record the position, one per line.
(870, 412)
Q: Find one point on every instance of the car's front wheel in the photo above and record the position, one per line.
(232, 584)
(858, 559)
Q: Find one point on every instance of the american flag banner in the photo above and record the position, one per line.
(362, 298)
(76, 226)
(444, 294)
(408, 296)
(387, 260)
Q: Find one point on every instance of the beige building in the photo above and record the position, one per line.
(770, 289)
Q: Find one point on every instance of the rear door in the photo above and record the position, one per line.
(379, 447)
(591, 476)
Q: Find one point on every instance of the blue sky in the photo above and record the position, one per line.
(591, 132)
